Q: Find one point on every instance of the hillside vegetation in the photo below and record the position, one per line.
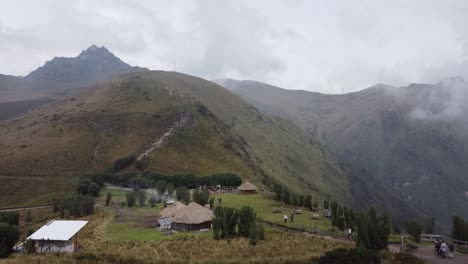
(411, 139)
(203, 129)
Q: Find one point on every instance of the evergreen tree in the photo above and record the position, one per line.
(161, 187)
(170, 189)
(308, 202)
(286, 196)
(131, 198)
(141, 198)
(247, 216)
(278, 190)
(373, 230)
(414, 228)
(108, 198)
(460, 228)
(9, 235)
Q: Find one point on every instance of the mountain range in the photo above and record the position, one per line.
(383, 147)
(414, 139)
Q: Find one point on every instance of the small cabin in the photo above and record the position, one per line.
(192, 217)
(58, 236)
(247, 188)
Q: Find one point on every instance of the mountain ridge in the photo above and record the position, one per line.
(412, 138)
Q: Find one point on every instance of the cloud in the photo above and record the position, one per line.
(326, 46)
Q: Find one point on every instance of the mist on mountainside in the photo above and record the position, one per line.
(413, 139)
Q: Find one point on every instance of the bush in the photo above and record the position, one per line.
(142, 164)
(93, 189)
(141, 198)
(211, 201)
(153, 200)
(170, 189)
(261, 231)
(11, 218)
(161, 187)
(9, 235)
(253, 233)
(350, 256)
(131, 198)
(90, 184)
(123, 163)
(28, 218)
(29, 247)
(414, 228)
(460, 228)
(108, 198)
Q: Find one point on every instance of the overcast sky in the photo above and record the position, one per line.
(324, 46)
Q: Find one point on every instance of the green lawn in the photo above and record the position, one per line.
(265, 205)
(261, 203)
(131, 232)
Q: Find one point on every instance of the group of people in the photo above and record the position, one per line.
(443, 249)
(285, 218)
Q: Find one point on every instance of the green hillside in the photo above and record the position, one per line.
(183, 124)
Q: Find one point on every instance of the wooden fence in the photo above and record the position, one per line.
(433, 238)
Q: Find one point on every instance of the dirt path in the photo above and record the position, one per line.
(307, 233)
(427, 254)
(16, 209)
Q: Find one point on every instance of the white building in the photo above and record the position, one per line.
(58, 236)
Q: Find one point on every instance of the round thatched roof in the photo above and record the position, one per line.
(193, 214)
(170, 210)
(247, 186)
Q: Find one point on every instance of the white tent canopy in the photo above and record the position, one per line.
(58, 230)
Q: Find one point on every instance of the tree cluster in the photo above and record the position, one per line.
(123, 163)
(460, 228)
(9, 235)
(229, 223)
(283, 194)
(373, 230)
(131, 198)
(145, 180)
(201, 196)
(75, 204)
(183, 194)
(414, 228)
(11, 218)
(342, 217)
(90, 184)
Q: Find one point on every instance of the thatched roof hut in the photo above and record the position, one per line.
(192, 217)
(170, 210)
(247, 187)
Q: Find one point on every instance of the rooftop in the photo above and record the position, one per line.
(61, 230)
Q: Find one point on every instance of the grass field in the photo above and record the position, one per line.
(264, 206)
(106, 239)
(128, 224)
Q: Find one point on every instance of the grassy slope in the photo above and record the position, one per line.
(57, 142)
(279, 150)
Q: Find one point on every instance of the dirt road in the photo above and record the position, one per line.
(17, 209)
(427, 254)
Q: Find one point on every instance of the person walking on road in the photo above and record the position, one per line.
(285, 217)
